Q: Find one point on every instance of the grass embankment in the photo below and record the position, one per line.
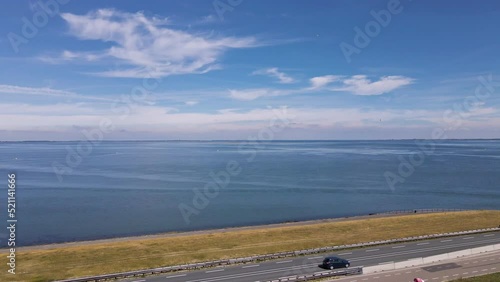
(59, 262)
(495, 277)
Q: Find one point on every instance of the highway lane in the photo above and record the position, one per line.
(441, 271)
(268, 270)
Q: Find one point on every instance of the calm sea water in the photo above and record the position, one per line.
(133, 188)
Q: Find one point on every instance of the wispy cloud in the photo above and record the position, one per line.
(67, 56)
(45, 91)
(208, 19)
(251, 94)
(254, 93)
(146, 46)
(13, 89)
(191, 102)
(356, 85)
(321, 81)
(275, 73)
(170, 120)
(361, 85)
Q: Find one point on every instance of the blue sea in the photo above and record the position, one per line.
(71, 191)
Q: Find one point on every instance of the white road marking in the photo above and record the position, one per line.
(345, 254)
(315, 258)
(248, 266)
(397, 247)
(467, 238)
(286, 261)
(217, 270)
(373, 250)
(489, 235)
(174, 276)
(446, 241)
(420, 244)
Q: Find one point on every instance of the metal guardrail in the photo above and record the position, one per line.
(253, 259)
(325, 274)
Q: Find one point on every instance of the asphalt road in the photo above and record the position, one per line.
(269, 270)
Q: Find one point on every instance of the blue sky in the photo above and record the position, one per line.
(221, 69)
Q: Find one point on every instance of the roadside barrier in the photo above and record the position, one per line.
(428, 260)
(258, 258)
(325, 274)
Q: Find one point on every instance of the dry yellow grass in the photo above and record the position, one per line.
(100, 258)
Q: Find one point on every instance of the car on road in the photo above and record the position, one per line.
(335, 262)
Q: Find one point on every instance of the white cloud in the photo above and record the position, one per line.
(321, 81)
(147, 46)
(13, 89)
(45, 91)
(357, 85)
(191, 102)
(67, 56)
(208, 19)
(361, 85)
(58, 109)
(225, 111)
(274, 72)
(248, 94)
(252, 94)
(59, 117)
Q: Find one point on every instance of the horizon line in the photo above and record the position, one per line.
(277, 140)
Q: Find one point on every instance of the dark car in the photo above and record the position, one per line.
(335, 262)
